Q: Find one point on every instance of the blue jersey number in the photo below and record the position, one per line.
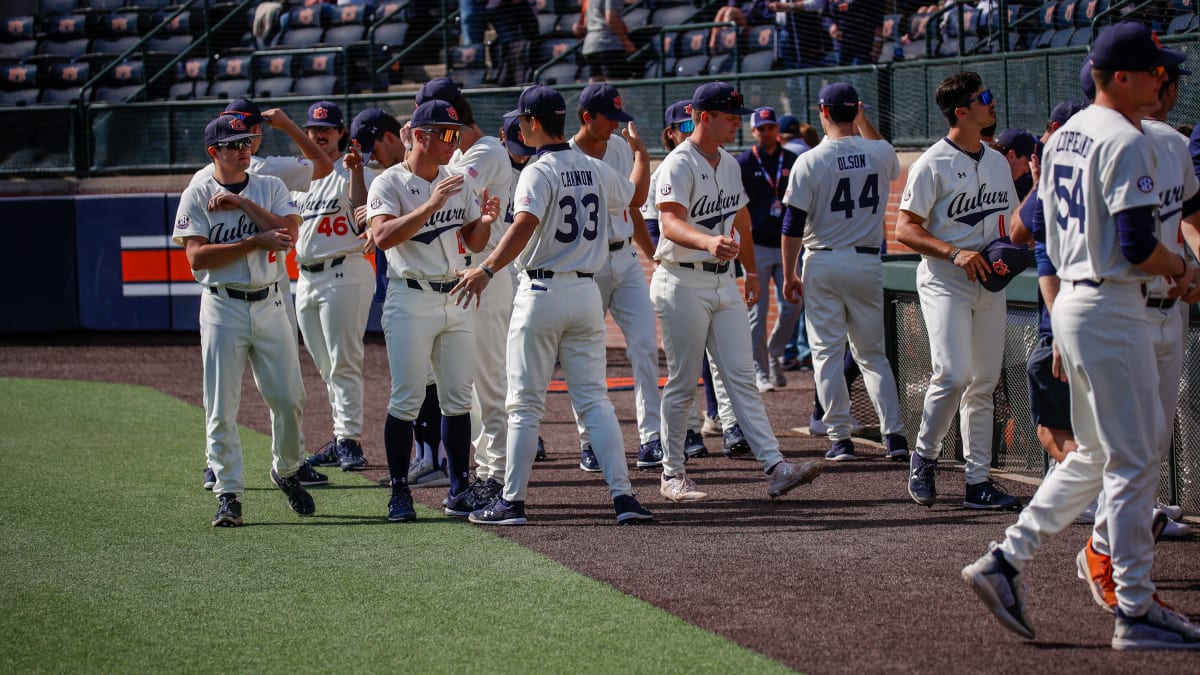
(570, 211)
(1068, 192)
(868, 197)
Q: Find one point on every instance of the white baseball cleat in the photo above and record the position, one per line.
(680, 489)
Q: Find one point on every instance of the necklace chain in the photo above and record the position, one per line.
(710, 157)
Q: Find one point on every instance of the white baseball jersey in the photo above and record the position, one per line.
(711, 196)
(570, 233)
(487, 163)
(295, 172)
(437, 249)
(650, 209)
(1176, 184)
(193, 219)
(328, 229)
(619, 156)
(1098, 147)
(843, 186)
(963, 202)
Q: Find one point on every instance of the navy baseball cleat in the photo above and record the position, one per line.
(1158, 628)
(210, 478)
(922, 485)
(541, 451)
(693, 446)
(309, 476)
(326, 456)
(587, 460)
(229, 511)
(988, 495)
(897, 447)
(350, 455)
(400, 506)
(650, 455)
(462, 504)
(298, 498)
(500, 512)
(630, 512)
(1002, 589)
(736, 445)
(842, 451)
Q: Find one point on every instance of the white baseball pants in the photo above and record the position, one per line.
(422, 327)
(489, 419)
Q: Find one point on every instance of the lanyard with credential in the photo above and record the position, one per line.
(776, 206)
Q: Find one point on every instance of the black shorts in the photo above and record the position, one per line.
(1049, 397)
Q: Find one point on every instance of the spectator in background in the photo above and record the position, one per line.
(472, 15)
(1018, 147)
(802, 41)
(789, 135)
(808, 133)
(796, 354)
(858, 28)
(606, 45)
(516, 23)
(731, 11)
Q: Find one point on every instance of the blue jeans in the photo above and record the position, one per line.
(769, 262)
(473, 15)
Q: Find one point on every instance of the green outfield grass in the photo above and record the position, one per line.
(110, 565)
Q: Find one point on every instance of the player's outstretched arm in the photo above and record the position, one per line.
(322, 165)
(477, 232)
(471, 282)
(640, 176)
(641, 234)
(353, 162)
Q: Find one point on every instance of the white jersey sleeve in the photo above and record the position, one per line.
(486, 162)
(567, 192)
(650, 209)
(710, 196)
(295, 172)
(843, 185)
(193, 219)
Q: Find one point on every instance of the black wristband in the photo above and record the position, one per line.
(488, 271)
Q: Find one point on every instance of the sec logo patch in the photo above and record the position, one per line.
(376, 203)
(664, 190)
(183, 223)
(1146, 184)
(907, 194)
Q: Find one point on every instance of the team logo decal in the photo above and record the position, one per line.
(908, 194)
(321, 113)
(237, 124)
(184, 222)
(664, 189)
(617, 102)
(1146, 184)
(292, 203)
(1000, 267)
(376, 203)
(452, 113)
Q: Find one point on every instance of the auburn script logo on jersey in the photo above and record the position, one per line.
(708, 213)
(971, 209)
(222, 233)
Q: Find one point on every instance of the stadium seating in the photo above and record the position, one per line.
(318, 74)
(303, 26)
(691, 53)
(566, 70)
(467, 65)
(66, 35)
(19, 38)
(19, 84)
(191, 80)
(175, 37)
(272, 75)
(63, 82)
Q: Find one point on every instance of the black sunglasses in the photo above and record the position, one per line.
(239, 144)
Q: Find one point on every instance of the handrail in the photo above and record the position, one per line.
(188, 50)
(370, 37)
(1006, 25)
(316, 49)
(957, 7)
(439, 26)
(1095, 27)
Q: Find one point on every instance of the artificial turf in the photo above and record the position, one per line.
(110, 564)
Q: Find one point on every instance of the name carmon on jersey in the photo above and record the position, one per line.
(577, 177)
(971, 209)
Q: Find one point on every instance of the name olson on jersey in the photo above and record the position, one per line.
(852, 162)
(574, 178)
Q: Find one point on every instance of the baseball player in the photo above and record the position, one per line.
(558, 233)
(336, 285)
(836, 201)
(297, 174)
(236, 228)
(427, 218)
(1099, 199)
(957, 196)
(622, 283)
(703, 218)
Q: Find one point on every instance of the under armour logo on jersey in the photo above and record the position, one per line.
(339, 275)
(415, 191)
(962, 174)
(703, 176)
(279, 303)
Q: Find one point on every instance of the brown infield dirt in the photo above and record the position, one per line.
(846, 575)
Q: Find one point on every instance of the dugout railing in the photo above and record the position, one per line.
(1015, 447)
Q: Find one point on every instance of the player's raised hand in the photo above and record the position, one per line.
(368, 239)
(276, 117)
(750, 288)
(360, 217)
(630, 134)
(723, 248)
(793, 290)
(352, 160)
(1035, 168)
(224, 201)
(471, 283)
(273, 240)
(490, 209)
(446, 189)
(973, 263)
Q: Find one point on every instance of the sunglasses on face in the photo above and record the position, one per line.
(1158, 71)
(686, 126)
(985, 97)
(446, 135)
(240, 144)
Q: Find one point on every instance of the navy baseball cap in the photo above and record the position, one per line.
(763, 115)
(719, 97)
(248, 110)
(1006, 260)
(604, 99)
(837, 94)
(540, 101)
(1086, 84)
(442, 88)
(677, 112)
(227, 128)
(369, 125)
(1065, 110)
(512, 138)
(1176, 70)
(788, 124)
(435, 112)
(1131, 46)
(325, 114)
(1019, 140)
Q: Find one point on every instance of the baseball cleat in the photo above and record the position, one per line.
(500, 512)
(326, 456)
(711, 427)
(400, 506)
(736, 445)
(763, 383)
(229, 511)
(1173, 511)
(463, 503)
(630, 512)
(210, 478)
(680, 488)
(350, 455)
(541, 451)
(1096, 570)
(922, 482)
(776, 376)
(897, 447)
(786, 476)
(650, 455)
(989, 496)
(425, 474)
(693, 446)
(587, 460)
(842, 451)
(1002, 588)
(309, 476)
(1159, 628)
(298, 498)
(1088, 515)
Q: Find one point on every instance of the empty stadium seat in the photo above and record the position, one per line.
(51, 7)
(346, 25)
(318, 75)
(66, 35)
(672, 15)
(563, 72)
(272, 75)
(63, 82)
(691, 53)
(18, 84)
(303, 26)
(19, 38)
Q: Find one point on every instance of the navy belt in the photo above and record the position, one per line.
(716, 268)
(549, 274)
(1097, 283)
(320, 267)
(618, 245)
(869, 250)
(435, 286)
(248, 296)
(1160, 303)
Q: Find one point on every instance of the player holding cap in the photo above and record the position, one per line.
(426, 218)
(236, 228)
(333, 295)
(560, 204)
(836, 201)
(703, 217)
(958, 194)
(1099, 200)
